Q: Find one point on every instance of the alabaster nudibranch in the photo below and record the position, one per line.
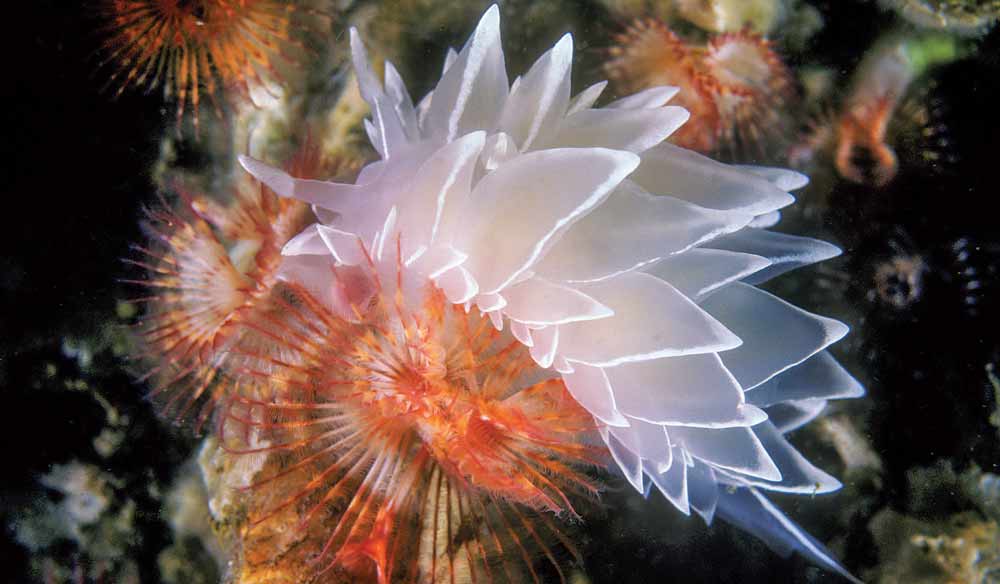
(524, 285)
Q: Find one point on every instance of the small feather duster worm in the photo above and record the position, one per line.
(209, 266)
(199, 48)
(522, 286)
(736, 87)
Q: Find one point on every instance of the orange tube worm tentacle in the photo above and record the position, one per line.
(421, 431)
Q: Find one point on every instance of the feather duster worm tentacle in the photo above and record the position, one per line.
(735, 87)
(207, 266)
(753, 88)
(648, 54)
(419, 431)
(199, 48)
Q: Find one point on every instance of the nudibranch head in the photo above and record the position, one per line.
(518, 272)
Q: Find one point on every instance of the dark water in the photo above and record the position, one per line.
(77, 170)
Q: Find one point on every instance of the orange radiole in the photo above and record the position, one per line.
(879, 87)
(194, 48)
(886, 100)
(208, 266)
(735, 87)
(862, 128)
(413, 442)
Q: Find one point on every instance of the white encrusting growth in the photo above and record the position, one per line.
(626, 264)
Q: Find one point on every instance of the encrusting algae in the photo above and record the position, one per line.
(960, 17)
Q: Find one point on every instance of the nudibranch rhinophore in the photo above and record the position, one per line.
(521, 286)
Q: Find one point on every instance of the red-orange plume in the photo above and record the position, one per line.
(207, 267)
(407, 442)
(198, 48)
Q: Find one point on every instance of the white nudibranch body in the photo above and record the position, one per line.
(626, 264)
